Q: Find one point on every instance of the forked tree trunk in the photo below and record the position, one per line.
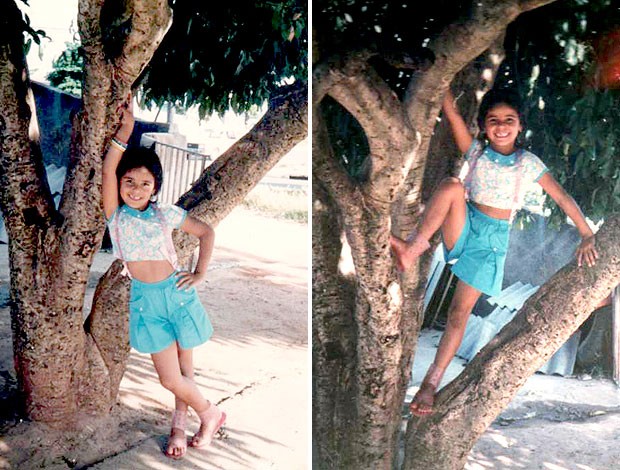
(363, 431)
(50, 251)
(357, 321)
(63, 365)
(468, 405)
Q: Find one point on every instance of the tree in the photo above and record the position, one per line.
(68, 69)
(66, 365)
(380, 72)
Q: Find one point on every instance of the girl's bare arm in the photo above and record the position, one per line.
(109, 188)
(460, 132)
(586, 252)
(206, 236)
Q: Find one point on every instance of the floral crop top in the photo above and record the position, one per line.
(494, 179)
(145, 235)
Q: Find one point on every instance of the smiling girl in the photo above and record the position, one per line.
(475, 217)
(166, 318)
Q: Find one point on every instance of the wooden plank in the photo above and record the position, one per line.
(615, 329)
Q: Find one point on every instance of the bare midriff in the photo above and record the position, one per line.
(150, 271)
(493, 212)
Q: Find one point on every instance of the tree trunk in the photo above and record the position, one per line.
(59, 367)
(333, 337)
(357, 326)
(469, 404)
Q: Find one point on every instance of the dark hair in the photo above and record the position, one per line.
(500, 96)
(138, 157)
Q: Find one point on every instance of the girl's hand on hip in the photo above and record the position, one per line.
(586, 252)
(186, 279)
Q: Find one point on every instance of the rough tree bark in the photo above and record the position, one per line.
(66, 366)
(362, 432)
(362, 362)
(470, 403)
(50, 251)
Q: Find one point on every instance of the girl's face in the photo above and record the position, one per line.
(137, 187)
(502, 126)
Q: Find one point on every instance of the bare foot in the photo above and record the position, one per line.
(211, 420)
(422, 403)
(177, 444)
(402, 252)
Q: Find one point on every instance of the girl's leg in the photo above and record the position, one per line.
(208, 426)
(177, 442)
(446, 210)
(169, 371)
(465, 297)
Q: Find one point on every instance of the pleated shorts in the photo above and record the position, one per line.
(160, 314)
(481, 251)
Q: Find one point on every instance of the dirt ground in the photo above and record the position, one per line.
(256, 368)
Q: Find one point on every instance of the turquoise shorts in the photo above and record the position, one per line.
(160, 314)
(481, 251)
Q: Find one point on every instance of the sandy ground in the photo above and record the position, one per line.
(554, 423)
(255, 368)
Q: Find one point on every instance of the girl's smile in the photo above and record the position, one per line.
(502, 126)
(137, 187)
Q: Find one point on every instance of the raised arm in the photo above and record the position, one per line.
(461, 134)
(109, 188)
(586, 252)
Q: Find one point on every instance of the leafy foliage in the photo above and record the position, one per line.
(228, 56)
(13, 21)
(573, 124)
(68, 69)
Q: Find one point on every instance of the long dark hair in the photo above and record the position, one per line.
(138, 157)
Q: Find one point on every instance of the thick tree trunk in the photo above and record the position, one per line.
(60, 368)
(469, 404)
(333, 337)
(358, 382)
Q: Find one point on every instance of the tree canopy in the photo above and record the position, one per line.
(228, 56)
(219, 57)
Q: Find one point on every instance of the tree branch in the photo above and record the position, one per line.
(527, 5)
(475, 398)
(150, 20)
(25, 198)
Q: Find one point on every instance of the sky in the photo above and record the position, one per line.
(57, 18)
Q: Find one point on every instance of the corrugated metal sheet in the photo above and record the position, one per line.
(480, 330)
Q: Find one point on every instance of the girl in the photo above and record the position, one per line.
(166, 318)
(475, 217)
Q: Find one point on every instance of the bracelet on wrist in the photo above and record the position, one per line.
(118, 144)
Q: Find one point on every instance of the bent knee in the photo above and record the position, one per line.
(452, 185)
(451, 182)
(170, 383)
